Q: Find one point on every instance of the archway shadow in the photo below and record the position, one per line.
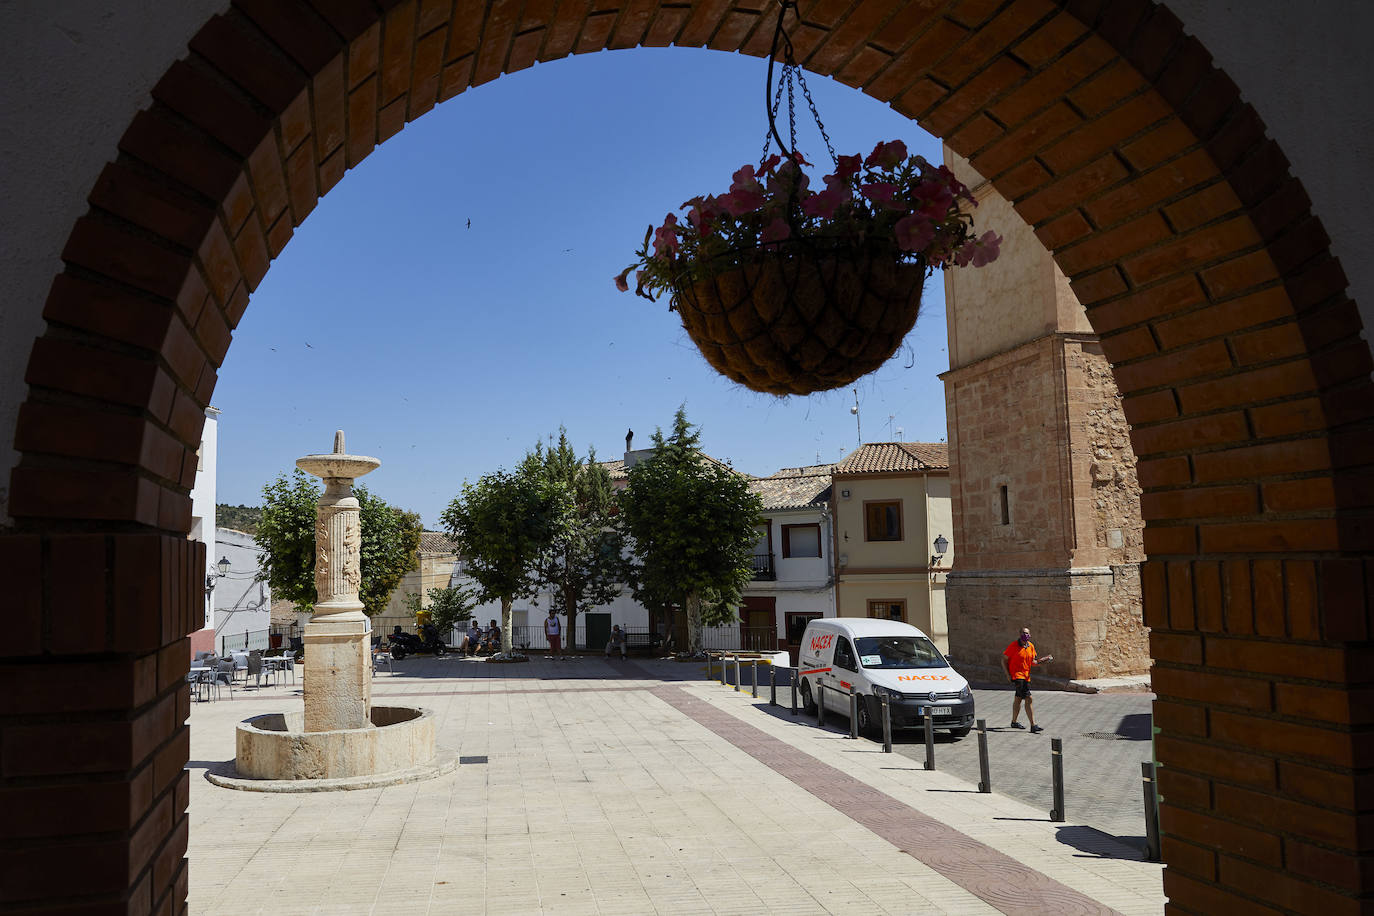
(1101, 845)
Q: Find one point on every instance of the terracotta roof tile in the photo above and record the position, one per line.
(895, 457)
(795, 488)
(436, 542)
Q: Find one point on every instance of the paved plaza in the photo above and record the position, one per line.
(640, 787)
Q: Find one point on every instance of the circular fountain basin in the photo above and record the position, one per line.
(348, 467)
(275, 754)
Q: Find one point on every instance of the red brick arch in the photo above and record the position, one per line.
(1235, 346)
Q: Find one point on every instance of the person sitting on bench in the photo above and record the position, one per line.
(617, 641)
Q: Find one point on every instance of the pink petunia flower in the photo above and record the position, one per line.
(826, 202)
(745, 179)
(933, 199)
(776, 231)
(620, 283)
(913, 233)
(848, 165)
(886, 155)
(880, 192)
(740, 202)
(979, 252)
(666, 242)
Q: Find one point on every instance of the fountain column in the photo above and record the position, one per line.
(338, 669)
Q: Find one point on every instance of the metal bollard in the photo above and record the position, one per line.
(930, 740)
(754, 669)
(794, 691)
(984, 784)
(887, 724)
(1147, 776)
(853, 714)
(738, 682)
(772, 686)
(1057, 772)
(820, 704)
(723, 679)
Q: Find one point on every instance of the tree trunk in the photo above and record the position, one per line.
(507, 616)
(570, 614)
(693, 605)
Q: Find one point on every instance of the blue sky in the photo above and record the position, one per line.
(461, 347)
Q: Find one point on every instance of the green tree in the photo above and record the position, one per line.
(390, 543)
(692, 522)
(502, 525)
(583, 566)
(390, 548)
(449, 607)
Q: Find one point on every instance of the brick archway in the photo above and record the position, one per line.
(1135, 160)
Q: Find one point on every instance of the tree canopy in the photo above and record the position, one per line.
(582, 565)
(390, 542)
(502, 525)
(692, 522)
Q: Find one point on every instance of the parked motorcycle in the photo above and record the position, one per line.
(403, 644)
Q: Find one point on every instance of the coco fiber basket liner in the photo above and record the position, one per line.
(794, 323)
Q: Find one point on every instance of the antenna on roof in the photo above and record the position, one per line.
(858, 428)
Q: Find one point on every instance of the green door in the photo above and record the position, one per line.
(598, 632)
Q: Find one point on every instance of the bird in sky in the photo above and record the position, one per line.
(469, 222)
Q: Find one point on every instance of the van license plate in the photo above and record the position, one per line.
(941, 711)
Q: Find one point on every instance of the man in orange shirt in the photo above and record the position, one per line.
(1020, 658)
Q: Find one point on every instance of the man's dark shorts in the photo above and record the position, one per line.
(1022, 688)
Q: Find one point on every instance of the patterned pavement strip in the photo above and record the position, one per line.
(998, 879)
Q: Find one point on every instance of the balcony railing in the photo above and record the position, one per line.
(763, 566)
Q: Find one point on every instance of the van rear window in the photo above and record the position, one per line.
(899, 652)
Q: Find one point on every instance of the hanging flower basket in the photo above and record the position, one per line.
(804, 318)
(789, 290)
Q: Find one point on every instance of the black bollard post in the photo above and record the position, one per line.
(738, 682)
(887, 724)
(853, 714)
(754, 670)
(1057, 772)
(1147, 776)
(930, 740)
(820, 704)
(985, 784)
(724, 680)
(772, 685)
(794, 690)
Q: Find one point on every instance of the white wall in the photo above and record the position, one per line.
(242, 604)
(203, 501)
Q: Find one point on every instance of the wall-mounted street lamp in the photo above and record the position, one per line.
(223, 567)
(941, 548)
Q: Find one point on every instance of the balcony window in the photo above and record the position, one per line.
(883, 520)
(801, 541)
(887, 609)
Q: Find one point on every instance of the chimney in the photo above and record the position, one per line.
(629, 440)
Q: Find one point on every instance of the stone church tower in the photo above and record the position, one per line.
(1046, 505)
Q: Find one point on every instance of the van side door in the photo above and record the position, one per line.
(843, 675)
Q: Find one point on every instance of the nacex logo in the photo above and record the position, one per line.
(923, 677)
(822, 642)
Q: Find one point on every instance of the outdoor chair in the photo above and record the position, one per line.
(256, 669)
(288, 665)
(223, 675)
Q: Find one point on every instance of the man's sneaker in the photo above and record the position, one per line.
(1017, 725)
(1036, 728)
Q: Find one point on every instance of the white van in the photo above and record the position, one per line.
(873, 657)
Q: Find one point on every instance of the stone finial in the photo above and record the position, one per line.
(339, 442)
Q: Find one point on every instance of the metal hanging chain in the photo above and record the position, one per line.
(790, 72)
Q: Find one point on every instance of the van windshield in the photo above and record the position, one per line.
(899, 652)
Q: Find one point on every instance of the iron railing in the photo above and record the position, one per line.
(763, 567)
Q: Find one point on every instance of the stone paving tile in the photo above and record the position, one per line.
(595, 791)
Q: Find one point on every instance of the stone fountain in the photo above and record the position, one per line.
(340, 740)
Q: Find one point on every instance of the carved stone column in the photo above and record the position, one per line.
(338, 670)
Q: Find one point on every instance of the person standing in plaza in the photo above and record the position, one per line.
(553, 634)
(1020, 657)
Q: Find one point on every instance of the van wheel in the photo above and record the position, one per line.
(866, 725)
(961, 732)
(808, 701)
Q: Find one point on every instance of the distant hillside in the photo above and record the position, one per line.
(240, 518)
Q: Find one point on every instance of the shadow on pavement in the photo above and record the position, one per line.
(1102, 845)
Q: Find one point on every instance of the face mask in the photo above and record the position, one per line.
(1024, 639)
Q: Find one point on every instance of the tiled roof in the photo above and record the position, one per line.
(436, 542)
(615, 467)
(795, 488)
(895, 457)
